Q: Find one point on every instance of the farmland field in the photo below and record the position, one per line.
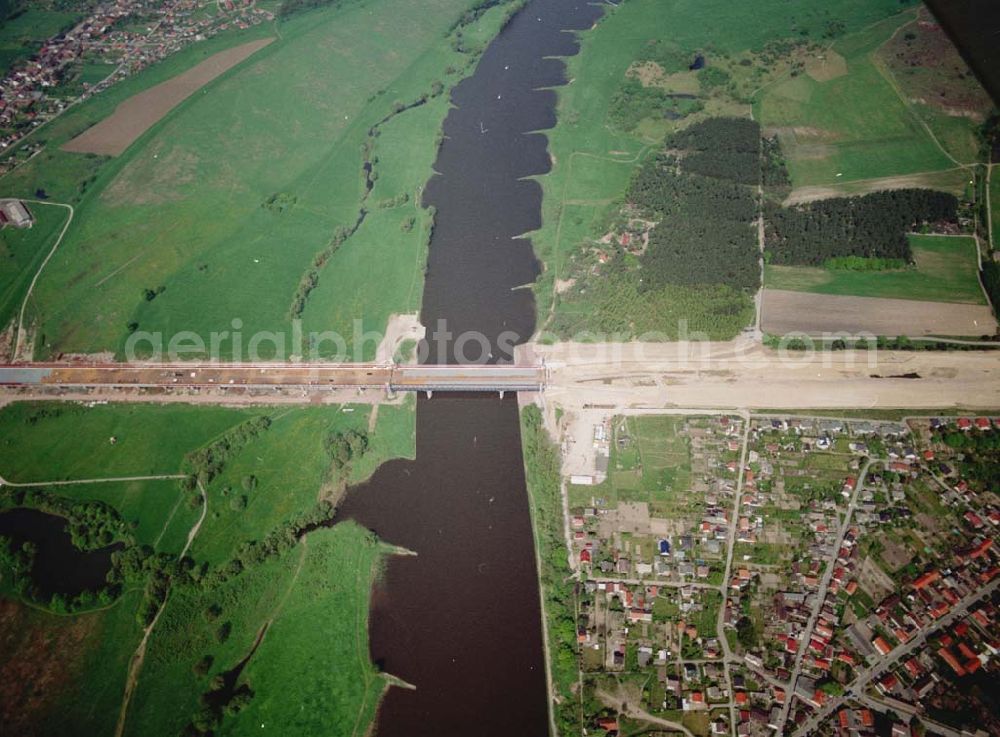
(189, 207)
(946, 270)
(138, 114)
(784, 312)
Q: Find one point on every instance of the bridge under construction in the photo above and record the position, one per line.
(391, 377)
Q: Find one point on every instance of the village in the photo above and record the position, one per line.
(116, 40)
(758, 575)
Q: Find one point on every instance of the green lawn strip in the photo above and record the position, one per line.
(541, 463)
(945, 271)
(54, 441)
(22, 252)
(289, 466)
(995, 205)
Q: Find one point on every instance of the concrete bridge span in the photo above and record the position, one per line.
(392, 377)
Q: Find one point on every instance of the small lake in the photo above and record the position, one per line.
(60, 567)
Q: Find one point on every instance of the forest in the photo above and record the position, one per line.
(697, 190)
(871, 226)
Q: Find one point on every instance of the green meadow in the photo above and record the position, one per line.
(946, 269)
(594, 160)
(22, 252)
(57, 441)
(157, 510)
(321, 583)
(857, 125)
(185, 207)
(320, 629)
(313, 602)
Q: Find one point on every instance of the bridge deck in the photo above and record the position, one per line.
(402, 378)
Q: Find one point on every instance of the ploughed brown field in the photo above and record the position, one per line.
(140, 112)
(785, 312)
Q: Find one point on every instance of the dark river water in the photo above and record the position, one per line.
(59, 566)
(460, 620)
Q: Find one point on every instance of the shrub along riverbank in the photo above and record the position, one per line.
(542, 464)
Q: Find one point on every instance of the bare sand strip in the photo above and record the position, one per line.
(140, 112)
(787, 312)
(589, 383)
(947, 180)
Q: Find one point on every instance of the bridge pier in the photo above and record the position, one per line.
(429, 393)
(501, 394)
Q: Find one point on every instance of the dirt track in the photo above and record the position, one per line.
(140, 112)
(932, 180)
(785, 312)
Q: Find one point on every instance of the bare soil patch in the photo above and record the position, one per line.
(140, 112)
(651, 74)
(786, 312)
(895, 555)
(827, 66)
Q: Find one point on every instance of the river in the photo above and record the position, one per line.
(461, 620)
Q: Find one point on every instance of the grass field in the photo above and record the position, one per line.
(594, 161)
(320, 632)
(650, 462)
(182, 208)
(58, 441)
(292, 470)
(854, 126)
(22, 252)
(314, 602)
(321, 583)
(995, 206)
(946, 270)
(157, 509)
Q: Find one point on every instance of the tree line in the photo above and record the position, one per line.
(871, 226)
